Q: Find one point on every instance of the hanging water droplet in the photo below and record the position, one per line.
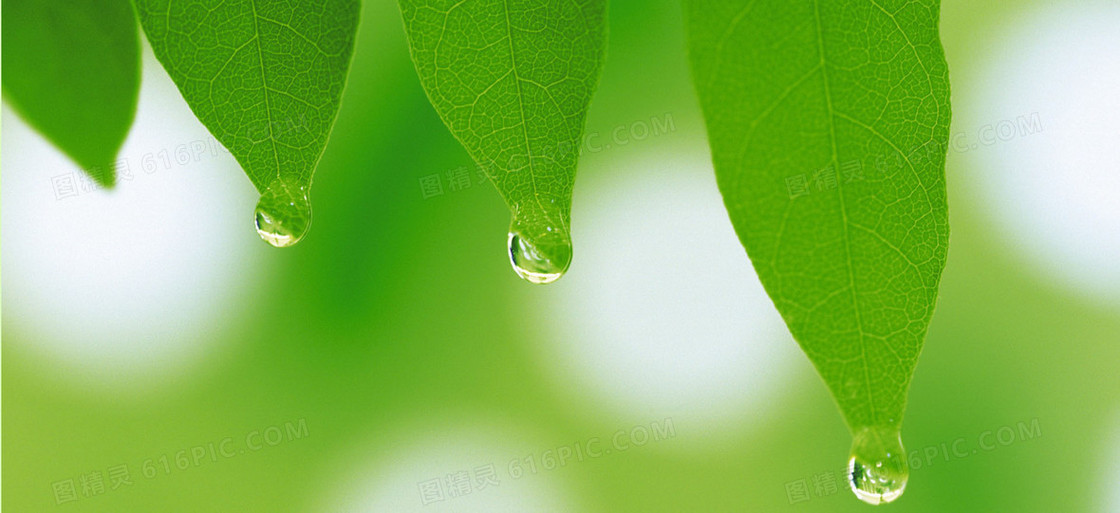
(542, 258)
(283, 214)
(877, 471)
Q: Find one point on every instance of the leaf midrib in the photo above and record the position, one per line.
(521, 111)
(264, 86)
(843, 212)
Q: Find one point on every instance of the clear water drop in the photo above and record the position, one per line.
(877, 470)
(542, 258)
(283, 214)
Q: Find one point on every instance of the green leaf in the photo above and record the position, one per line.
(72, 70)
(266, 78)
(829, 122)
(512, 80)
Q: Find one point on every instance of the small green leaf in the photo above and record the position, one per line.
(72, 70)
(512, 80)
(266, 78)
(829, 123)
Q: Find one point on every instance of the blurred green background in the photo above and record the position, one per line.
(393, 356)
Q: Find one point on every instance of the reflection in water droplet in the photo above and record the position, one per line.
(541, 259)
(283, 214)
(878, 471)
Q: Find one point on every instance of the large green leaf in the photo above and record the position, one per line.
(513, 79)
(72, 70)
(828, 122)
(266, 78)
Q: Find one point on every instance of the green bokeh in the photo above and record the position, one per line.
(406, 318)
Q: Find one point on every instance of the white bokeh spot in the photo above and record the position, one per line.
(137, 281)
(662, 315)
(1053, 193)
(416, 470)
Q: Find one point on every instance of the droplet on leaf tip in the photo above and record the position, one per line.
(877, 470)
(283, 214)
(539, 261)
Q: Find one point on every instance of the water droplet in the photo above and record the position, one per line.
(283, 214)
(542, 258)
(878, 471)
